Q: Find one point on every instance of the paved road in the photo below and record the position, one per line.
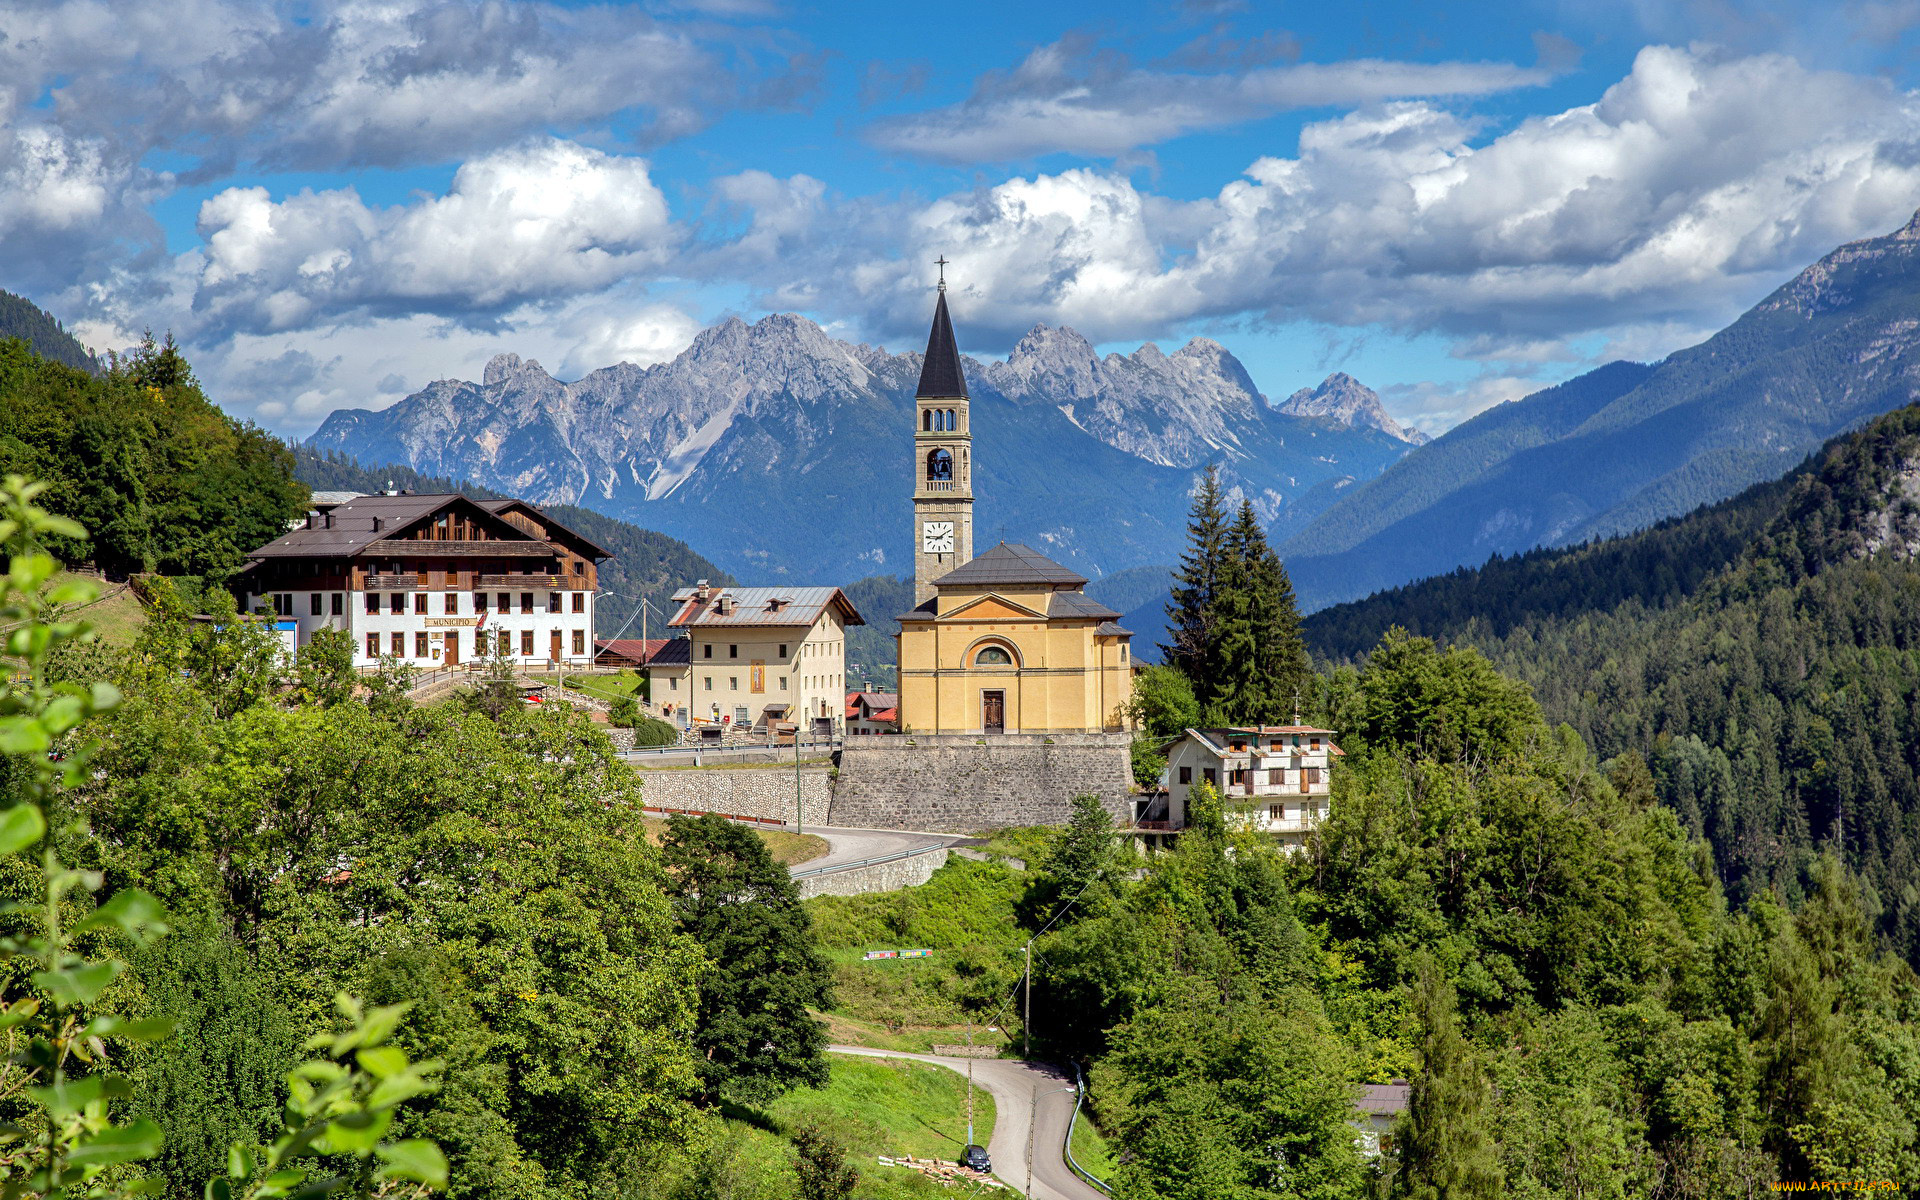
(1014, 1086)
(852, 845)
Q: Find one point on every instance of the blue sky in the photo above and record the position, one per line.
(333, 204)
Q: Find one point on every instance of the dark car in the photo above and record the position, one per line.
(976, 1158)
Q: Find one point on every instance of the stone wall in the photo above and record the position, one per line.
(963, 784)
(740, 791)
(879, 877)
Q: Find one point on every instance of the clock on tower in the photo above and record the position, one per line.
(942, 459)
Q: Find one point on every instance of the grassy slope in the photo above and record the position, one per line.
(116, 617)
(786, 848)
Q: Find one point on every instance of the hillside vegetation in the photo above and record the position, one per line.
(23, 319)
(1764, 653)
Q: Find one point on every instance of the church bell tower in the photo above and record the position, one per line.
(942, 459)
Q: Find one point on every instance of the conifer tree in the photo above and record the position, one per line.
(1191, 613)
(1446, 1144)
(1260, 662)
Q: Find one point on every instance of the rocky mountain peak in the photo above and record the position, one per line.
(1344, 400)
(1826, 285)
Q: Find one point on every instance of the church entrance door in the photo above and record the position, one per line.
(993, 712)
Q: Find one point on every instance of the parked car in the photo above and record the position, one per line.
(975, 1158)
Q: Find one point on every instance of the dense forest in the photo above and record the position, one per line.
(1776, 692)
(159, 476)
(22, 318)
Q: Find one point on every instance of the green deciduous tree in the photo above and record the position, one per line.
(756, 1038)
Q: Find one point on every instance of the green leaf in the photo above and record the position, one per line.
(357, 1133)
(77, 985)
(380, 1023)
(240, 1162)
(20, 826)
(383, 1061)
(418, 1160)
(74, 591)
(398, 1088)
(217, 1189)
(22, 735)
(152, 1029)
(69, 1096)
(118, 1144)
(132, 911)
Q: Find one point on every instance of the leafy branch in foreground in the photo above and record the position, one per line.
(342, 1105)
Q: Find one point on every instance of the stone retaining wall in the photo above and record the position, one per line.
(741, 791)
(963, 784)
(880, 877)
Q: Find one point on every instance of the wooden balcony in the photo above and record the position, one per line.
(522, 582)
(392, 583)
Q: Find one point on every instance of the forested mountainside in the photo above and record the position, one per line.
(22, 318)
(1768, 661)
(1088, 458)
(1627, 445)
(644, 563)
(161, 478)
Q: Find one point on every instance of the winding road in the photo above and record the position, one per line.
(849, 846)
(1018, 1089)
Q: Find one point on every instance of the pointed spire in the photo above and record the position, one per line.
(941, 377)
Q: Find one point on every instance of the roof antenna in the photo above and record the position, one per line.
(941, 262)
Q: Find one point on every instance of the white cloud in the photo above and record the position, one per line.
(1067, 97)
(543, 220)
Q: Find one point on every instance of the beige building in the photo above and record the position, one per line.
(756, 656)
(1007, 642)
(1272, 778)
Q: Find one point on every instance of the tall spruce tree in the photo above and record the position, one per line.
(1260, 665)
(1191, 614)
(1446, 1142)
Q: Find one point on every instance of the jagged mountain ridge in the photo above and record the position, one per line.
(1627, 445)
(1344, 399)
(777, 449)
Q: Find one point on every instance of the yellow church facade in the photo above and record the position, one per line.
(1010, 643)
(1006, 643)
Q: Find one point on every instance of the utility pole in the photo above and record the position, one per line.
(970, 1083)
(1026, 1021)
(1033, 1125)
(799, 810)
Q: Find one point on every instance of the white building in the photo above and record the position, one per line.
(432, 580)
(1272, 778)
(762, 655)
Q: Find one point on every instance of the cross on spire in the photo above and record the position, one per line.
(942, 263)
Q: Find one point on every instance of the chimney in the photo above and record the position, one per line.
(701, 591)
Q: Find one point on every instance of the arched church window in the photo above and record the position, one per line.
(953, 419)
(992, 656)
(939, 465)
(926, 420)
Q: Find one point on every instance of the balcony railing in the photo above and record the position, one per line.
(940, 485)
(392, 583)
(529, 582)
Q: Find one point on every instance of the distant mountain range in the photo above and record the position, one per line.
(779, 451)
(22, 318)
(1621, 447)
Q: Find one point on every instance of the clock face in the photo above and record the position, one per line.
(936, 537)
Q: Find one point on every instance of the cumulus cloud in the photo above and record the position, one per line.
(548, 219)
(1685, 192)
(1073, 97)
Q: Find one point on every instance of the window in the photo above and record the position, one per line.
(579, 602)
(526, 643)
(939, 465)
(707, 682)
(706, 651)
(579, 641)
(783, 649)
(452, 603)
(373, 602)
(479, 602)
(1212, 778)
(283, 604)
(553, 602)
(1276, 775)
(503, 603)
(781, 683)
(397, 603)
(420, 644)
(339, 603)
(505, 644)
(526, 603)
(373, 645)
(1186, 774)
(1123, 652)
(313, 605)
(420, 602)
(733, 683)
(397, 644)
(733, 652)
(992, 656)
(673, 684)
(1315, 746)
(1276, 812)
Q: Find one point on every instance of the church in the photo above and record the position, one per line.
(1007, 642)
